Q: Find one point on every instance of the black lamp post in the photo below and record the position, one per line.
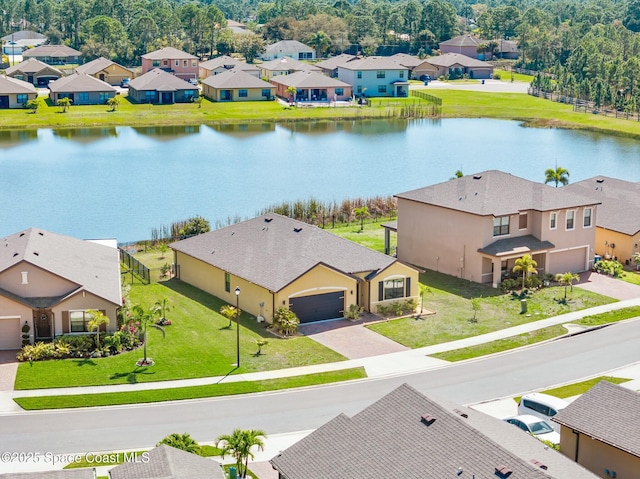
(238, 326)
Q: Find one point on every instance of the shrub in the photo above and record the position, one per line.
(285, 321)
(533, 282)
(496, 76)
(79, 345)
(509, 285)
(397, 308)
(353, 312)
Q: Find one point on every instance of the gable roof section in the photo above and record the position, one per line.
(606, 412)
(31, 65)
(467, 40)
(51, 51)
(165, 462)
(95, 267)
(449, 59)
(97, 65)
(235, 79)
(286, 46)
(390, 439)
(283, 64)
(619, 200)
(10, 86)
(334, 62)
(309, 79)
(221, 61)
(407, 60)
(23, 35)
(159, 80)
(272, 251)
(495, 193)
(374, 63)
(168, 53)
(79, 82)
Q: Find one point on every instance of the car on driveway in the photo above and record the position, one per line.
(543, 406)
(540, 428)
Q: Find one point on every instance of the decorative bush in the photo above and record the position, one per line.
(397, 308)
(609, 266)
(285, 321)
(533, 282)
(353, 312)
(510, 285)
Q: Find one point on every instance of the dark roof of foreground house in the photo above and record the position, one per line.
(608, 413)
(56, 51)
(97, 65)
(166, 462)
(619, 200)
(235, 79)
(406, 434)
(86, 473)
(168, 53)
(31, 65)
(495, 193)
(79, 82)
(94, 267)
(10, 86)
(159, 80)
(272, 251)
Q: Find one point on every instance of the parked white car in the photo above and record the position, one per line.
(543, 406)
(536, 426)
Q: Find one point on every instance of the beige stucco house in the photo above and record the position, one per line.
(49, 281)
(106, 70)
(475, 227)
(81, 89)
(15, 93)
(278, 261)
(599, 431)
(456, 65)
(618, 222)
(237, 85)
(34, 71)
(224, 63)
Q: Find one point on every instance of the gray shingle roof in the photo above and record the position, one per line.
(86, 473)
(374, 63)
(79, 82)
(407, 60)
(272, 253)
(168, 53)
(620, 202)
(334, 62)
(308, 79)
(467, 40)
(221, 61)
(287, 64)
(390, 439)
(51, 51)
(97, 65)
(165, 462)
(608, 413)
(517, 245)
(10, 85)
(495, 193)
(23, 35)
(235, 79)
(159, 80)
(287, 46)
(31, 65)
(93, 267)
(449, 59)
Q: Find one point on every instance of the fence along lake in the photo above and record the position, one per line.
(121, 182)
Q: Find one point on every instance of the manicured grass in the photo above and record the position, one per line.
(450, 298)
(502, 344)
(372, 235)
(153, 258)
(582, 387)
(193, 392)
(610, 316)
(505, 75)
(632, 277)
(197, 344)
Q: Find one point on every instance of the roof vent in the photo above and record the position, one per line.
(503, 471)
(36, 253)
(297, 230)
(15, 254)
(477, 177)
(232, 233)
(428, 419)
(21, 235)
(268, 220)
(40, 233)
(600, 180)
(461, 413)
(537, 463)
(213, 251)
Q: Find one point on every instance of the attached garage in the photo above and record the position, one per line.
(318, 306)
(4, 101)
(573, 260)
(10, 334)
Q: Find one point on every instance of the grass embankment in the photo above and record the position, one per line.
(609, 317)
(193, 392)
(505, 75)
(575, 389)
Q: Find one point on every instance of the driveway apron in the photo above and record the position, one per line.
(603, 284)
(8, 370)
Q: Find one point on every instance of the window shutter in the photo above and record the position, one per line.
(380, 290)
(408, 291)
(103, 327)
(65, 322)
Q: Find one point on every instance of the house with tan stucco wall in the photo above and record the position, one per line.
(281, 262)
(49, 281)
(477, 226)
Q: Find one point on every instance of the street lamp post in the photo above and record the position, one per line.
(238, 326)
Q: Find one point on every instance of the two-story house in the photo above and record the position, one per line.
(376, 76)
(477, 226)
(179, 63)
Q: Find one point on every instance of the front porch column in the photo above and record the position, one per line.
(497, 272)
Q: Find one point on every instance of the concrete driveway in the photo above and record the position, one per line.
(8, 369)
(603, 284)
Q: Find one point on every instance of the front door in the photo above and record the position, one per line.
(30, 78)
(4, 101)
(42, 321)
(167, 98)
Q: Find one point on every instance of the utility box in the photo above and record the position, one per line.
(523, 306)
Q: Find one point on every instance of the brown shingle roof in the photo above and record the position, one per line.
(51, 51)
(467, 40)
(221, 61)
(10, 86)
(286, 64)
(79, 82)
(159, 80)
(407, 60)
(495, 193)
(374, 63)
(31, 65)
(334, 62)
(97, 65)
(168, 53)
(449, 59)
(608, 413)
(286, 46)
(308, 79)
(273, 250)
(235, 79)
(23, 35)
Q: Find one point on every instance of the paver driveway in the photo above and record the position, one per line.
(603, 284)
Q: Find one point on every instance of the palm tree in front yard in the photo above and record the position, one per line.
(239, 445)
(526, 265)
(566, 279)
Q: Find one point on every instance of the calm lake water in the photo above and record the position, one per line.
(121, 182)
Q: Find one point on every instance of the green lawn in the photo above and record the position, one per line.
(632, 276)
(372, 235)
(198, 344)
(575, 389)
(450, 298)
(505, 75)
(610, 316)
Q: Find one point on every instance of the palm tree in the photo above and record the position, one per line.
(636, 259)
(146, 317)
(97, 319)
(292, 93)
(229, 312)
(557, 175)
(567, 279)
(239, 445)
(161, 307)
(527, 265)
(361, 213)
(424, 289)
(64, 104)
(184, 442)
(320, 42)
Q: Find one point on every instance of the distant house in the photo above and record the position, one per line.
(171, 60)
(456, 65)
(81, 89)
(288, 48)
(237, 85)
(406, 434)
(49, 281)
(16, 43)
(330, 66)
(472, 47)
(15, 93)
(53, 54)
(237, 27)
(158, 86)
(105, 70)
(34, 71)
(599, 431)
(225, 63)
(376, 76)
(284, 66)
(409, 61)
(312, 86)
(277, 261)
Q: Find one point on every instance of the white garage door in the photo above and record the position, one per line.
(568, 261)
(10, 333)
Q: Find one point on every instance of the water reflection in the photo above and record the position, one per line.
(244, 129)
(12, 138)
(85, 135)
(167, 133)
(358, 127)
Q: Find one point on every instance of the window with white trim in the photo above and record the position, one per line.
(78, 321)
(501, 226)
(394, 288)
(586, 218)
(553, 220)
(570, 223)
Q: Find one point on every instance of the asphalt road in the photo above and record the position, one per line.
(130, 427)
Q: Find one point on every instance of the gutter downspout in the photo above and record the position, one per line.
(575, 454)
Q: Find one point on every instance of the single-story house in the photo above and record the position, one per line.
(599, 430)
(158, 86)
(237, 27)
(105, 70)
(15, 93)
(225, 63)
(476, 227)
(618, 223)
(330, 66)
(84, 473)
(471, 46)
(81, 89)
(53, 54)
(284, 66)
(407, 434)
(455, 65)
(312, 86)
(49, 281)
(34, 71)
(171, 60)
(15, 43)
(376, 76)
(237, 85)
(167, 462)
(277, 261)
(288, 48)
